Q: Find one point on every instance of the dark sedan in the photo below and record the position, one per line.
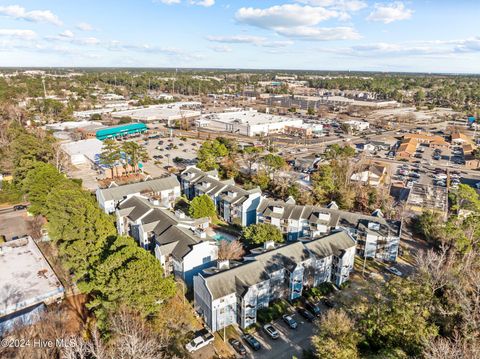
(306, 314)
(252, 342)
(238, 346)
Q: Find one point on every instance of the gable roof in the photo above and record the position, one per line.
(338, 218)
(257, 267)
(154, 186)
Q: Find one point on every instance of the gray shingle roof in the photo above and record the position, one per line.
(334, 244)
(338, 218)
(153, 186)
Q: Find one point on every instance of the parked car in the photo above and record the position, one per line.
(313, 308)
(395, 271)
(199, 342)
(252, 342)
(238, 346)
(288, 319)
(271, 331)
(306, 314)
(19, 207)
(328, 303)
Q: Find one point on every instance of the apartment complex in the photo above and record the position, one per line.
(180, 243)
(234, 204)
(376, 236)
(163, 191)
(234, 292)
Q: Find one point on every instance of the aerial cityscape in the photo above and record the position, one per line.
(239, 179)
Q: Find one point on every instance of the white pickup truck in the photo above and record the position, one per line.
(199, 342)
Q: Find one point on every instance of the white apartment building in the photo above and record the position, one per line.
(235, 292)
(376, 236)
(179, 242)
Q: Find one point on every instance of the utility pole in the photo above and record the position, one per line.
(44, 88)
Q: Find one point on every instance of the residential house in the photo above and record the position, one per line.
(372, 174)
(376, 236)
(180, 243)
(234, 292)
(163, 190)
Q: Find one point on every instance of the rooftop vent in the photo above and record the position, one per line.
(269, 245)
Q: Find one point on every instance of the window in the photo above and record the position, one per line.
(207, 259)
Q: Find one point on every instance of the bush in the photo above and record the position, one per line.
(317, 293)
(273, 312)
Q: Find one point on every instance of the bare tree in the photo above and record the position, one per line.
(134, 338)
(35, 226)
(230, 250)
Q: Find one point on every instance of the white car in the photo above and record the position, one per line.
(395, 271)
(199, 342)
(477, 185)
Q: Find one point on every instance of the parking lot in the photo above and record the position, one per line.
(13, 223)
(163, 151)
(291, 342)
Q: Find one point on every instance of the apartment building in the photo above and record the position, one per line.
(164, 191)
(180, 243)
(234, 204)
(376, 236)
(234, 292)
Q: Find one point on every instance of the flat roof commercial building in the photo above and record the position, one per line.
(121, 131)
(84, 151)
(249, 122)
(157, 113)
(27, 283)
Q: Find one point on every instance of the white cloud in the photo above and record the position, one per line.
(341, 5)
(18, 34)
(168, 2)
(388, 13)
(237, 39)
(280, 16)
(205, 3)
(298, 21)
(67, 33)
(19, 12)
(221, 48)
(84, 26)
(436, 48)
(248, 39)
(320, 33)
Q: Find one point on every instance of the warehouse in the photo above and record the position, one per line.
(249, 123)
(168, 113)
(121, 131)
(83, 152)
(27, 283)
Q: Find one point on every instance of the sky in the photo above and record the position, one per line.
(409, 36)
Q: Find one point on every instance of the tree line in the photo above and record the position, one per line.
(113, 271)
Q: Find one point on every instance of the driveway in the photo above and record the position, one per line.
(291, 342)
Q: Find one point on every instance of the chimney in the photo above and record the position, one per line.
(225, 264)
(269, 245)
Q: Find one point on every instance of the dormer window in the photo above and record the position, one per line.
(277, 209)
(374, 226)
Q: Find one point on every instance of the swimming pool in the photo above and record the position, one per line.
(222, 236)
